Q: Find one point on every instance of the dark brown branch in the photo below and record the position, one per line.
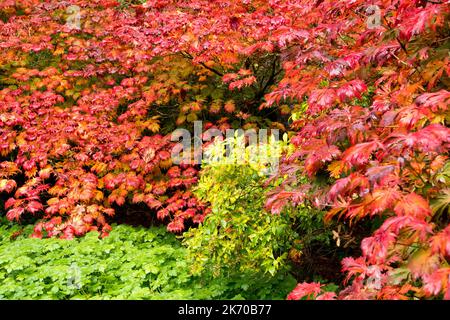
(212, 69)
(190, 57)
(270, 81)
(402, 45)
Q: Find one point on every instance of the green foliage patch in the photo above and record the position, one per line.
(239, 236)
(131, 263)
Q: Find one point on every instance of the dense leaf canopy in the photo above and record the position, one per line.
(90, 91)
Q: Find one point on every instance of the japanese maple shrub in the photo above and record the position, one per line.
(373, 140)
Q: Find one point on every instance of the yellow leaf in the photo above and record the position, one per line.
(191, 117)
(335, 169)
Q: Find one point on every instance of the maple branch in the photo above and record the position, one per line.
(271, 79)
(416, 173)
(402, 45)
(212, 69)
(190, 57)
(440, 40)
(400, 60)
(254, 69)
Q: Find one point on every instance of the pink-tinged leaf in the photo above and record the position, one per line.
(435, 101)
(351, 90)
(245, 82)
(355, 267)
(164, 155)
(162, 213)
(277, 200)
(305, 290)
(10, 202)
(338, 67)
(398, 223)
(174, 183)
(347, 186)
(319, 157)
(382, 53)
(198, 218)
(7, 185)
(189, 213)
(174, 172)
(381, 199)
(437, 282)
(229, 77)
(382, 106)
(138, 197)
(357, 291)
(440, 243)
(321, 99)
(413, 205)
(245, 72)
(109, 211)
(314, 55)
(433, 138)
(375, 248)
(286, 35)
(360, 154)
(119, 200)
(378, 174)
(34, 206)
(190, 173)
(266, 46)
(14, 214)
(416, 22)
(151, 202)
(408, 117)
(176, 226)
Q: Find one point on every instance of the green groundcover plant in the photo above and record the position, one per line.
(132, 263)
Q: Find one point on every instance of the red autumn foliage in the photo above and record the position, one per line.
(81, 108)
(376, 124)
